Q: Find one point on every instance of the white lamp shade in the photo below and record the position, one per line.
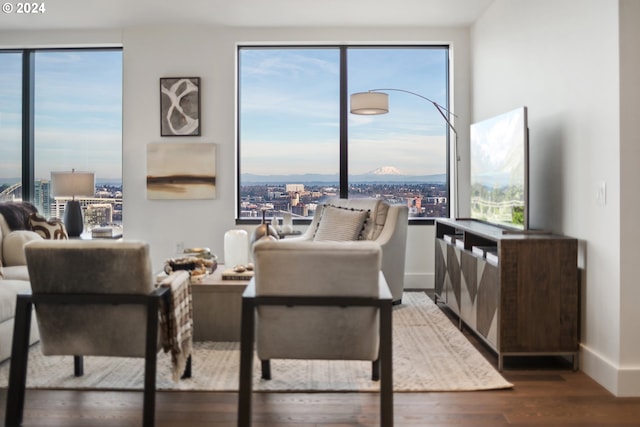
(236, 248)
(71, 184)
(369, 103)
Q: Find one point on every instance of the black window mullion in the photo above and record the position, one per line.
(28, 80)
(344, 117)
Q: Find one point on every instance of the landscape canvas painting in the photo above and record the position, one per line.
(181, 171)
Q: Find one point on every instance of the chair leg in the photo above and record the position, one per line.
(246, 362)
(151, 354)
(187, 369)
(266, 369)
(386, 360)
(78, 366)
(19, 359)
(375, 370)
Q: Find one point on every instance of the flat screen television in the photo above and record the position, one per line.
(499, 160)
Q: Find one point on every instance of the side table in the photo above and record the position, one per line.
(217, 306)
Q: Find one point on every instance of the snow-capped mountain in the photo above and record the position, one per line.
(385, 170)
(381, 174)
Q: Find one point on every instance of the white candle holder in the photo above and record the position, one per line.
(236, 248)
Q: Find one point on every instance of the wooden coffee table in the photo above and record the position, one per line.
(217, 306)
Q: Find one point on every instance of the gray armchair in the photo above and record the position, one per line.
(386, 225)
(316, 300)
(91, 298)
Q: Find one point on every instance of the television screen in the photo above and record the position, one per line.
(499, 170)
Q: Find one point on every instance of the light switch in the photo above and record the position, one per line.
(601, 193)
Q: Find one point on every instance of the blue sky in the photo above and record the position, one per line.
(290, 122)
(78, 113)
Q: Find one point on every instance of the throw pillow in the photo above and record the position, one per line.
(52, 229)
(340, 224)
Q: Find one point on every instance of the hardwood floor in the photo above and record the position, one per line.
(546, 393)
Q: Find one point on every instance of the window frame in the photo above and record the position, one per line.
(28, 110)
(343, 118)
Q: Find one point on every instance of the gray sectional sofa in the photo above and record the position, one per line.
(14, 279)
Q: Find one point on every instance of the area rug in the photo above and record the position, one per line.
(429, 354)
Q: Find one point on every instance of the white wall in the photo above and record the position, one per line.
(70, 39)
(560, 58)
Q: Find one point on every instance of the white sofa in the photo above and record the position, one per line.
(14, 279)
(386, 225)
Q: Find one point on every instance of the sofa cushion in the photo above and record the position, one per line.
(4, 230)
(53, 228)
(16, 272)
(8, 291)
(1, 271)
(340, 224)
(13, 216)
(378, 209)
(13, 246)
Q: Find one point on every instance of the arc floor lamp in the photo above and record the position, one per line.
(376, 101)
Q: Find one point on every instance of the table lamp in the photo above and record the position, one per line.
(72, 184)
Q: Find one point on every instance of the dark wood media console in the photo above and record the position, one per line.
(518, 291)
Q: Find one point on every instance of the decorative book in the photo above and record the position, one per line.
(452, 238)
(492, 258)
(106, 233)
(481, 251)
(229, 274)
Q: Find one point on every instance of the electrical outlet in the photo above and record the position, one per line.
(601, 193)
(179, 247)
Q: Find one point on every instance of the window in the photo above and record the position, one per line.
(74, 122)
(295, 151)
(289, 129)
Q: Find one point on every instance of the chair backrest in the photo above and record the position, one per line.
(386, 224)
(90, 267)
(317, 268)
(303, 268)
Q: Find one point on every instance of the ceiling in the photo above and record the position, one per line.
(115, 14)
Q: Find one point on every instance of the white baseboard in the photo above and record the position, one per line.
(621, 382)
(418, 281)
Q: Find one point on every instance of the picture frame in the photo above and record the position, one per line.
(180, 106)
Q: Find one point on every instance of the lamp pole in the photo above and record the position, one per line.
(369, 104)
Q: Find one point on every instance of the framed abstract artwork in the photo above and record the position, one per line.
(180, 106)
(182, 170)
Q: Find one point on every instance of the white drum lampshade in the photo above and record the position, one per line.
(369, 103)
(236, 248)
